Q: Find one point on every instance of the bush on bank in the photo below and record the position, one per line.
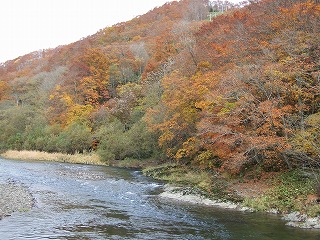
(293, 191)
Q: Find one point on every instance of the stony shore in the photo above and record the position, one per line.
(177, 194)
(294, 219)
(14, 197)
(300, 220)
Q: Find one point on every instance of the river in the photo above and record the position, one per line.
(95, 202)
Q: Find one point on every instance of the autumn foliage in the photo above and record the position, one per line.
(236, 94)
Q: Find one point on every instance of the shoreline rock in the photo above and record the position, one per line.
(294, 219)
(14, 198)
(300, 220)
(176, 193)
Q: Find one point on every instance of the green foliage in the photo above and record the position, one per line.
(15, 141)
(36, 135)
(24, 128)
(13, 123)
(287, 194)
(112, 141)
(76, 138)
(117, 143)
(143, 144)
(313, 210)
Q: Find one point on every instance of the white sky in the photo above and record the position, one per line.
(30, 25)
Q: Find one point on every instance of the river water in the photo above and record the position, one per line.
(95, 202)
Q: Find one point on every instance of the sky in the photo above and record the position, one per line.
(30, 25)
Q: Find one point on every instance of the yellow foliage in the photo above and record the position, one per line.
(204, 104)
(189, 149)
(67, 99)
(134, 88)
(165, 137)
(79, 113)
(308, 140)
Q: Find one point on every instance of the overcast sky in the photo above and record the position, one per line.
(30, 25)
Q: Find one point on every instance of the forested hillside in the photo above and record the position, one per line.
(235, 93)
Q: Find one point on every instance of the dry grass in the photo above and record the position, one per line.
(91, 158)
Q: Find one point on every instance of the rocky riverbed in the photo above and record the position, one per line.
(14, 197)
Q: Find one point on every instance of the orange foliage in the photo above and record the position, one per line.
(4, 90)
(233, 90)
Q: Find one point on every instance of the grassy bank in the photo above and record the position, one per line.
(212, 186)
(89, 158)
(133, 163)
(291, 191)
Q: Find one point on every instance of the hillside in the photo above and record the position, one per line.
(238, 95)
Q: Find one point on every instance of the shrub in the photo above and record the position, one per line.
(75, 138)
(112, 141)
(117, 144)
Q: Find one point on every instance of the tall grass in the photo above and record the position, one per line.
(54, 157)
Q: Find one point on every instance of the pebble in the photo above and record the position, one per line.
(14, 197)
(296, 219)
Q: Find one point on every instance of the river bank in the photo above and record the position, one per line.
(180, 194)
(286, 195)
(206, 189)
(92, 159)
(293, 219)
(14, 198)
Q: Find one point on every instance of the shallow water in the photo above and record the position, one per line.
(93, 202)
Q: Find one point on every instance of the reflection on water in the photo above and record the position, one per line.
(92, 202)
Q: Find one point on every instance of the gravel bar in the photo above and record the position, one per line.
(14, 197)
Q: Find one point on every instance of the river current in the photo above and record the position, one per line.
(95, 202)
